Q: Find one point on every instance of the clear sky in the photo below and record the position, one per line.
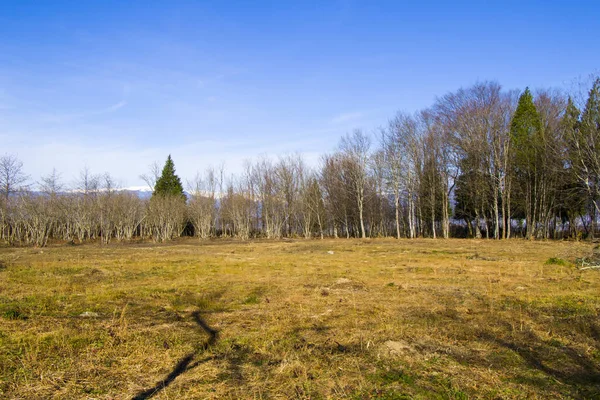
(116, 85)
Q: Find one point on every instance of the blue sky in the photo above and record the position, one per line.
(116, 85)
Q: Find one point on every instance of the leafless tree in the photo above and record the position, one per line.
(202, 208)
(334, 194)
(165, 217)
(128, 212)
(266, 185)
(401, 153)
(476, 122)
(551, 105)
(582, 134)
(355, 149)
(154, 171)
(12, 177)
(83, 205)
(313, 206)
(289, 173)
(239, 209)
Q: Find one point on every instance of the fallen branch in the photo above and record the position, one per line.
(590, 267)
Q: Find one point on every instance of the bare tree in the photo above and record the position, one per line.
(334, 194)
(12, 179)
(165, 217)
(355, 148)
(106, 207)
(154, 171)
(289, 171)
(583, 138)
(313, 206)
(202, 206)
(400, 150)
(12, 176)
(128, 214)
(266, 185)
(84, 211)
(51, 184)
(239, 209)
(33, 213)
(475, 122)
(551, 105)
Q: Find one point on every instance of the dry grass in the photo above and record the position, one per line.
(381, 319)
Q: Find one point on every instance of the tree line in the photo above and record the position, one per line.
(480, 162)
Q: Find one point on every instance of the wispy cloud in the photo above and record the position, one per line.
(346, 117)
(113, 108)
(70, 117)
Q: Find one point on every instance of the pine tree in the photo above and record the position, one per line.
(169, 183)
(590, 118)
(525, 129)
(526, 135)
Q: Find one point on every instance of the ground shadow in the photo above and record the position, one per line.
(577, 370)
(578, 373)
(185, 364)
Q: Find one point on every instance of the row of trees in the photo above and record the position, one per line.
(480, 162)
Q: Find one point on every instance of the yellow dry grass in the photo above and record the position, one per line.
(359, 319)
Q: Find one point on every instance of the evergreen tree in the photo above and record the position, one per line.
(525, 130)
(570, 120)
(169, 183)
(526, 134)
(590, 119)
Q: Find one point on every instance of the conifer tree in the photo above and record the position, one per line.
(526, 135)
(590, 118)
(169, 183)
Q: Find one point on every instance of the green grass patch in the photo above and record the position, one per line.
(556, 261)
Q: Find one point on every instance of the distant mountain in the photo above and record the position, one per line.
(143, 192)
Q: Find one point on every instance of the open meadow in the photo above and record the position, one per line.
(357, 319)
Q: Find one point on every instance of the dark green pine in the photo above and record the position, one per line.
(526, 121)
(169, 183)
(590, 118)
(526, 132)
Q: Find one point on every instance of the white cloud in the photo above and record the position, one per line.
(346, 117)
(113, 108)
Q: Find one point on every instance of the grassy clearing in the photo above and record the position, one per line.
(377, 319)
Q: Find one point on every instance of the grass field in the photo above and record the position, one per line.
(357, 319)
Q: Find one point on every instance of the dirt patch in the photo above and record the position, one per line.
(398, 347)
(347, 284)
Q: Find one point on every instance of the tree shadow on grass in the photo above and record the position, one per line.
(577, 373)
(185, 364)
(564, 364)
